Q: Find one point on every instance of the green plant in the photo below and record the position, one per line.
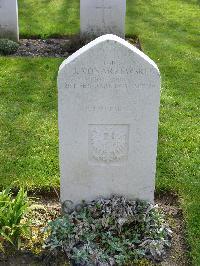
(109, 232)
(12, 211)
(8, 47)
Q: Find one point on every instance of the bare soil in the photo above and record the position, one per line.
(178, 253)
(44, 210)
(56, 47)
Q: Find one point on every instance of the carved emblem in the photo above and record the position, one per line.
(108, 143)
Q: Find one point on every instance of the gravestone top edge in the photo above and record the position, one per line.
(101, 39)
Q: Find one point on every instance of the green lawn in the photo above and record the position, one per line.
(28, 122)
(169, 34)
(48, 17)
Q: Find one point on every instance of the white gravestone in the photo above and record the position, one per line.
(98, 17)
(9, 20)
(108, 109)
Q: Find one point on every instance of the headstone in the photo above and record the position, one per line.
(9, 20)
(108, 111)
(98, 17)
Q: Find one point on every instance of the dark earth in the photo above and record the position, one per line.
(55, 47)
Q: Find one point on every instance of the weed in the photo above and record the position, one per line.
(12, 211)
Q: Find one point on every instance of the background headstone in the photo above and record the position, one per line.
(98, 17)
(9, 20)
(108, 110)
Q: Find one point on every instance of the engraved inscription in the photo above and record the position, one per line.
(3, 26)
(108, 144)
(103, 8)
(112, 70)
(103, 108)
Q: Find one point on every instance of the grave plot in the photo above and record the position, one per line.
(29, 130)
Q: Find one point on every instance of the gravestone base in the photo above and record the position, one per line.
(11, 35)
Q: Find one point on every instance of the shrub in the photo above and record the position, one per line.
(12, 211)
(109, 232)
(8, 47)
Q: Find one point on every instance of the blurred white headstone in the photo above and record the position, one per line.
(9, 20)
(98, 17)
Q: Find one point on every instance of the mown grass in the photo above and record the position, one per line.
(28, 122)
(169, 34)
(48, 18)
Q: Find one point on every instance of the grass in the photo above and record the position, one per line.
(48, 18)
(29, 135)
(169, 34)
